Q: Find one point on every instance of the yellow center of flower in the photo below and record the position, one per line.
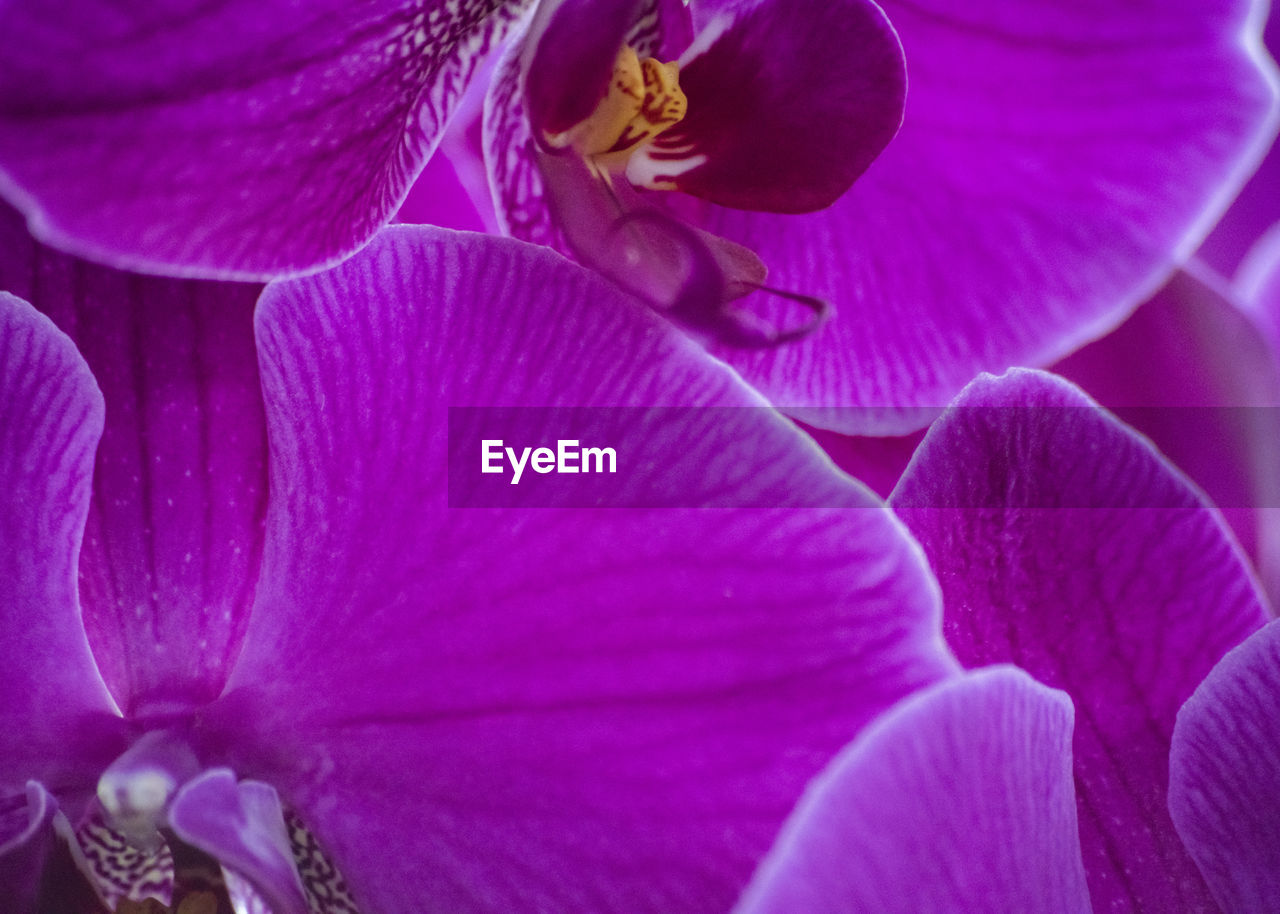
(643, 100)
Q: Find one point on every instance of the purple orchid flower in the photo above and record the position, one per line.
(1054, 163)
(285, 644)
(1067, 545)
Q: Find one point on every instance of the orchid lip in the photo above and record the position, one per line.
(192, 838)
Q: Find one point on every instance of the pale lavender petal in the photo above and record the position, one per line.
(1224, 779)
(1197, 377)
(236, 139)
(788, 105)
(566, 709)
(958, 799)
(56, 722)
(175, 528)
(1056, 159)
(242, 827)
(1065, 544)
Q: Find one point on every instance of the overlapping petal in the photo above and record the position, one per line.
(234, 139)
(788, 105)
(56, 714)
(959, 799)
(1054, 162)
(1224, 788)
(175, 526)
(1195, 375)
(591, 709)
(1067, 545)
(1254, 210)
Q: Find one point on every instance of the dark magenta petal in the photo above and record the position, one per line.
(236, 139)
(1195, 375)
(788, 104)
(1055, 161)
(54, 706)
(242, 826)
(605, 709)
(1224, 780)
(1065, 544)
(175, 526)
(27, 840)
(958, 799)
(568, 58)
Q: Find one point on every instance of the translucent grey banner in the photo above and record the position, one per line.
(633, 457)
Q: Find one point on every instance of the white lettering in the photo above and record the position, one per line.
(599, 453)
(566, 453)
(490, 450)
(566, 457)
(517, 465)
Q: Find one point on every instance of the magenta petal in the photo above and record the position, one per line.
(175, 527)
(54, 703)
(1055, 160)
(1067, 545)
(549, 708)
(788, 104)
(1224, 782)
(958, 799)
(242, 826)
(242, 139)
(1197, 377)
(27, 840)
(569, 56)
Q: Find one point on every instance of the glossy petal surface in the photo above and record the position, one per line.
(54, 723)
(1054, 159)
(175, 525)
(233, 139)
(958, 799)
(1224, 790)
(1065, 544)
(600, 709)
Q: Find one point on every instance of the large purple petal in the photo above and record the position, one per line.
(56, 722)
(547, 708)
(1055, 160)
(1224, 781)
(1065, 544)
(235, 139)
(175, 527)
(959, 799)
(788, 104)
(1197, 377)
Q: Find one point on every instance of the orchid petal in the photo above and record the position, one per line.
(24, 848)
(1197, 377)
(1224, 781)
(958, 799)
(788, 105)
(242, 826)
(550, 708)
(55, 719)
(240, 139)
(175, 525)
(1055, 162)
(1065, 544)
(1254, 208)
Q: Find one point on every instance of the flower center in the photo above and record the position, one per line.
(643, 100)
